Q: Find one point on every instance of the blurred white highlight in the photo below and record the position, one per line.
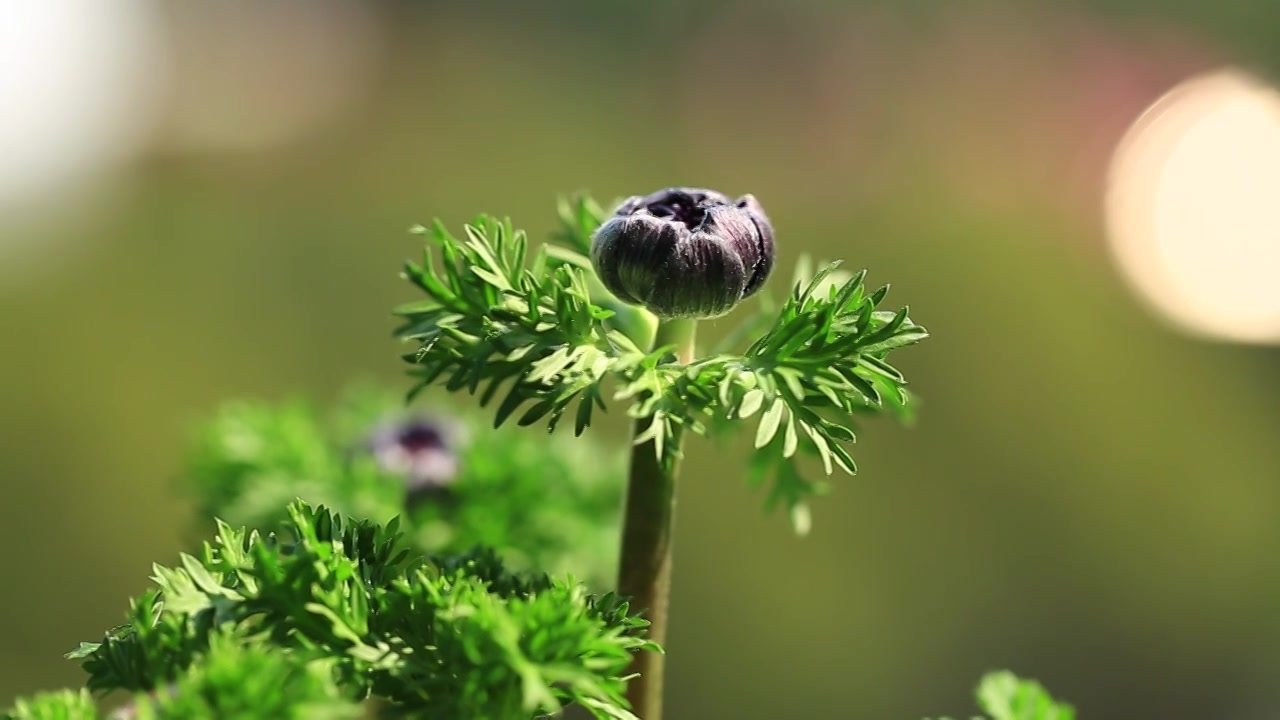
(1193, 207)
(78, 79)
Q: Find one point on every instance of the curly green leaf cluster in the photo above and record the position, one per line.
(239, 678)
(457, 636)
(549, 504)
(543, 336)
(248, 681)
(495, 319)
(55, 705)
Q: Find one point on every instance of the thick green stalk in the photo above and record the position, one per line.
(645, 566)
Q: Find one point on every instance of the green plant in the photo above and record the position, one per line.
(429, 566)
(58, 705)
(1005, 696)
(536, 332)
(342, 611)
(547, 504)
(1001, 695)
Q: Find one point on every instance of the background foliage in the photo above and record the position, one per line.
(544, 503)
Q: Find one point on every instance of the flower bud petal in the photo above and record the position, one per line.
(685, 252)
(702, 279)
(763, 258)
(630, 251)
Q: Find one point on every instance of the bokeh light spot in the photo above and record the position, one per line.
(1193, 207)
(78, 82)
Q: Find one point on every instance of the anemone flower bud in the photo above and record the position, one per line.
(684, 252)
(418, 449)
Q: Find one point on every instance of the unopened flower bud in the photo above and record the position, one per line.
(418, 449)
(684, 252)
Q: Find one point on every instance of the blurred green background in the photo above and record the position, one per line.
(1089, 497)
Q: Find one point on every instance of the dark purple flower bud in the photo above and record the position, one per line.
(684, 252)
(418, 449)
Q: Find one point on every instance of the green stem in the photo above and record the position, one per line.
(645, 566)
(636, 323)
(632, 320)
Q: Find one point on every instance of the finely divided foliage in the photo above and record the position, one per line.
(56, 705)
(437, 637)
(494, 318)
(540, 334)
(330, 613)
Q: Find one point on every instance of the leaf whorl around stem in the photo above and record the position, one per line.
(536, 334)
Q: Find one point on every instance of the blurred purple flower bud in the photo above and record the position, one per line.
(685, 252)
(420, 450)
(129, 711)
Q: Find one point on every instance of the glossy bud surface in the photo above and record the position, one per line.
(685, 252)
